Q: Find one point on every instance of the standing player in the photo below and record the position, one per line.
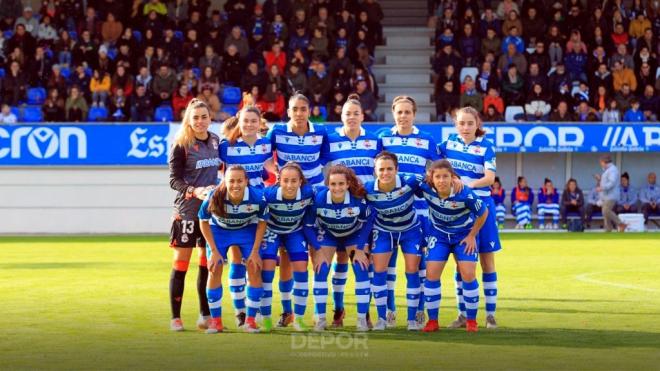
(414, 150)
(340, 219)
(298, 140)
(228, 218)
(354, 148)
(391, 196)
(287, 202)
(193, 167)
(244, 146)
(498, 193)
(455, 220)
(473, 159)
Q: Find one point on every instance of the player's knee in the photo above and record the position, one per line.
(181, 265)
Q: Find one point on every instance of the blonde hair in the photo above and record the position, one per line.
(185, 137)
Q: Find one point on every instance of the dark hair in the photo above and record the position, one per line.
(386, 155)
(355, 187)
(520, 179)
(497, 180)
(217, 202)
(569, 182)
(295, 166)
(404, 98)
(625, 175)
(546, 181)
(232, 129)
(298, 95)
(438, 165)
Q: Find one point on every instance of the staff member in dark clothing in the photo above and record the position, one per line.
(572, 200)
(194, 164)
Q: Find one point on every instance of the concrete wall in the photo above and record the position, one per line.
(70, 200)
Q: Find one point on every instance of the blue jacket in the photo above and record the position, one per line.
(633, 116)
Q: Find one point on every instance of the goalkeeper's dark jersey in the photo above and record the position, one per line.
(196, 166)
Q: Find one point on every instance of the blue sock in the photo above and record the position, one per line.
(460, 301)
(300, 292)
(391, 282)
(267, 298)
(285, 295)
(432, 295)
(412, 294)
(237, 286)
(214, 297)
(422, 278)
(253, 300)
(379, 289)
(321, 290)
(489, 281)
(338, 284)
(471, 296)
(362, 290)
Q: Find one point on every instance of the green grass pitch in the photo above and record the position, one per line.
(567, 301)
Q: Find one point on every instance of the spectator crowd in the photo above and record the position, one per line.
(570, 60)
(145, 60)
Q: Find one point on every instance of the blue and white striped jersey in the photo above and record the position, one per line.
(305, 150)
(358, 155)
(470, 161)
(394, 209)
(455, 214)
(251, 158)
(342, 219)
(252, 209)
(286, 216)
(413, 152)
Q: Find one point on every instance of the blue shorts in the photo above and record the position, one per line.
(225, 238)
(385, 242)
(294, 243)
(326, 239)
(488, 239)
(442, 244)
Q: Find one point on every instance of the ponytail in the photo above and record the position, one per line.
(232, 129)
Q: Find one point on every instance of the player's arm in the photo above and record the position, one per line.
(177, 166)
(489, 170)
(254, 257)
(204, 216)
(479, 209)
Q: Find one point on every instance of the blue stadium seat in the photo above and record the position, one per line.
(36, 95)
(469, 71)
(197, 72)
(137, 35)
(97, 114)
(230, 109)
(74, 35)
(112, 53)
(17, 112)
(8, 34)
(65, 72)
(514, 113)
(324, 112)
(88, 72)
(32, 114)
(164, 114)
(178, 35)
(231, 95)
(2, 72)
